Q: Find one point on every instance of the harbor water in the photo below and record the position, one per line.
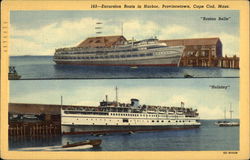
(43, 67)
(209, 137)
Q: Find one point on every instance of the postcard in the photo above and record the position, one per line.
(125, 79)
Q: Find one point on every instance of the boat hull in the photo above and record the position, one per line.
(95, 142)
(168, 61)
(229, 125)
(98, 129)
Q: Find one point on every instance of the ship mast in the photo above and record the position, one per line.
(225, 113)
(61, 104)
(98, 28)
(61, 101)
(116, 95)
(122, 28)
(231, 111)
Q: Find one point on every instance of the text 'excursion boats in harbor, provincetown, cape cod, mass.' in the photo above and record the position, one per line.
(113, 116)
(116, 50)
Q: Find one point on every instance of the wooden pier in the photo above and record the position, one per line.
(201, 61)
(34, 128)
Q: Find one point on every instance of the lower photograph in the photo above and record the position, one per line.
(124, 115)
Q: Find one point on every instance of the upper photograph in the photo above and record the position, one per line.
(124, 44)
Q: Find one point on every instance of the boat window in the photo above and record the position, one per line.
(157, 121)
(124, 120)
(142, 55)
(168, 121)
(123, 56)
(162, 121)
(128, 55)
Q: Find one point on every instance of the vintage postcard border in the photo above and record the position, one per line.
(243, 153)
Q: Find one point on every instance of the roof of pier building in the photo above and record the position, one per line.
(192, 41)
(103, 41)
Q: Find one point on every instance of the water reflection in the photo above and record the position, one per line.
(33, 141)
(43, 67)
(70, 71)
(208, 137)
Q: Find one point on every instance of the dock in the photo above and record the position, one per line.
(34, 119)
(34, 128)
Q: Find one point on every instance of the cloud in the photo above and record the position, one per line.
(208, 113)
(173, 31)
(209, 102)
(20, 46)
(47, 38)
(140, 29)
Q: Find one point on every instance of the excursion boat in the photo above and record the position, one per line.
(113, 116)
(148, 52)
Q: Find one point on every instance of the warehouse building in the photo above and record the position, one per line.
(203, 52)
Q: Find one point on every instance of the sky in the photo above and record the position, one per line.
(195, 93)
(41, 32)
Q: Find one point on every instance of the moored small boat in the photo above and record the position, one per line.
(13, 75)
(227, 123)
(94, 143)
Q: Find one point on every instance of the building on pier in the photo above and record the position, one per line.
(203, 52)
